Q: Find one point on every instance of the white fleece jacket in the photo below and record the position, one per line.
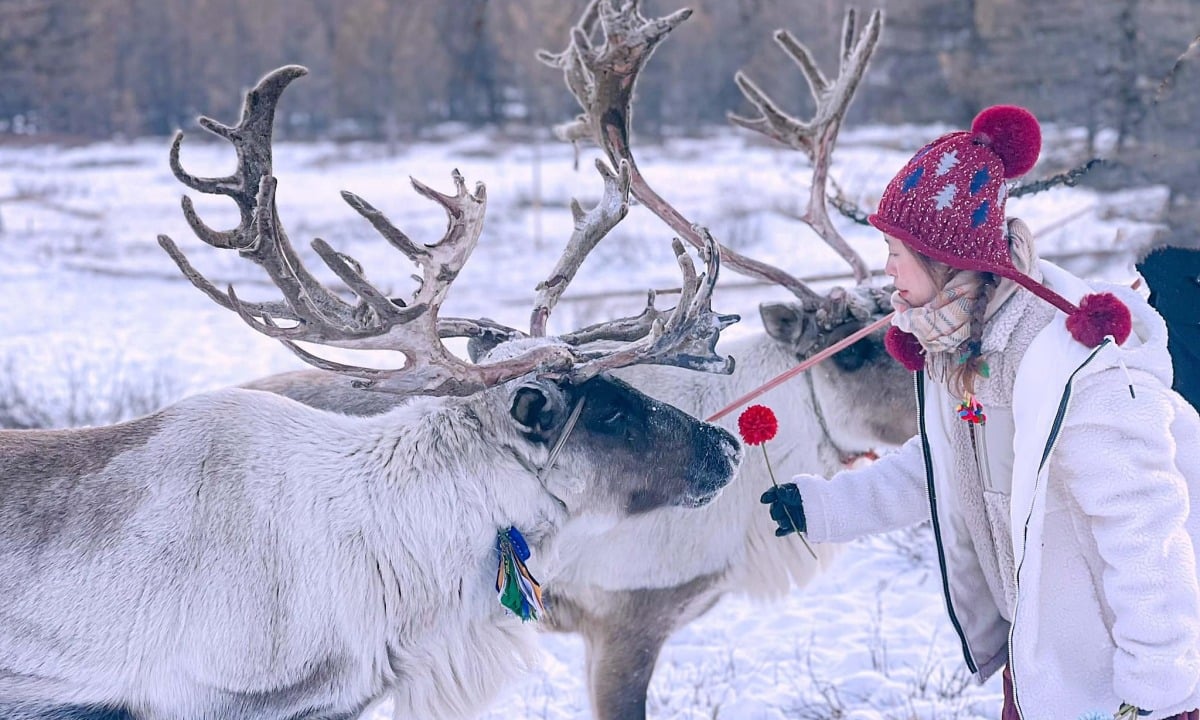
(1104, 517)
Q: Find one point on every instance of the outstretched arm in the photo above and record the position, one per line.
(888, 494)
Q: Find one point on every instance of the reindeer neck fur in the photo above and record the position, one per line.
(456, 494)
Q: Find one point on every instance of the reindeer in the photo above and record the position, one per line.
(628, 589)
(625, 599)
(241, 555)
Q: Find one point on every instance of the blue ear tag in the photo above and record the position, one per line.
(516, 588)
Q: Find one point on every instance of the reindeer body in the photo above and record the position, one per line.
(240, 555)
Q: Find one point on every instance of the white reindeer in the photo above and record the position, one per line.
(240, 555)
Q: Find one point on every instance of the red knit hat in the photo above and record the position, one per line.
(948, 203)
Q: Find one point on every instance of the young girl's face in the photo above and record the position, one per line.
(909, 275)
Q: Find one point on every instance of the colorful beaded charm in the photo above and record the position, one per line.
(971, 410)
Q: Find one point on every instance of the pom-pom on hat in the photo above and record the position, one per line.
(947, 203)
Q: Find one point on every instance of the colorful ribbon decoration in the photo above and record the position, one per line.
(516, 588)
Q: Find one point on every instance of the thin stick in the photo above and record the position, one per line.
(788, 374)
(787, 512)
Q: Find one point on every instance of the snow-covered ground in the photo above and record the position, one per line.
(94, 311)
(867, 641)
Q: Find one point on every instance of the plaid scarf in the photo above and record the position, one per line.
(944, 322)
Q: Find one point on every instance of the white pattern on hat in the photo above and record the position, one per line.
(946, 162)
(945, 196)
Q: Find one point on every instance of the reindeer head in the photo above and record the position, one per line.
(861, 373)
(601, 447)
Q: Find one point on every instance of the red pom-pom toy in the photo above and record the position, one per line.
(757, 424)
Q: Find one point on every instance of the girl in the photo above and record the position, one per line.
(1058, 468)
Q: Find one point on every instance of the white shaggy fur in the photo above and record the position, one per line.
(395, 576)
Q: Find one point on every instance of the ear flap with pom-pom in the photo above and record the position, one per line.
(1100, 315)
(905, 348)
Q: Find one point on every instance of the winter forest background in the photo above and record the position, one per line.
(97, 325)
(396, 70)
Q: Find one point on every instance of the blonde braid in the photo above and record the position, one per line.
(961, 377)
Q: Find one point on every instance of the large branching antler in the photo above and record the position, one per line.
(602, 77)
(607, 50)
(411, 327)
(816, 137)
(251, 139)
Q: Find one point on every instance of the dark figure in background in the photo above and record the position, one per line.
(1173, 274)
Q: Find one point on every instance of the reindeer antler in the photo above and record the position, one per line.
(817, 137)
(687, 337)
(590, 227)
(251, 138)
(608, 48)
(410, 327)
(602, 79)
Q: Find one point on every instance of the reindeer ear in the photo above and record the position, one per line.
(782, 321)
(534, 410)
(478, 347)
(789, 324)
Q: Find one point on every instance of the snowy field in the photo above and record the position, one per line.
(97, 323)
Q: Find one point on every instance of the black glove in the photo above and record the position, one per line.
(786, 508)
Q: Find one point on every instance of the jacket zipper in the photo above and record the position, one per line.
(978, 443)
(1051, 443)
(937, 534)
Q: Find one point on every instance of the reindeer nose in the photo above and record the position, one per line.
(716, 460)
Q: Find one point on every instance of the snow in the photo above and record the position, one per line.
(93, 309)
(868, 640)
